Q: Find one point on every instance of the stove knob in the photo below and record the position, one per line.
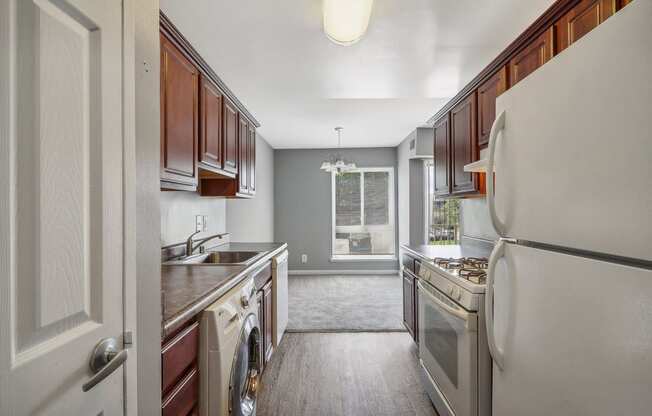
(244, 300)
(459, 294)
(450, 290)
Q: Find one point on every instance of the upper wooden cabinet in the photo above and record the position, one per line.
(487, 94)
(252, 159)
(231, 120)
(531, 57)
(581, 19)
(442, 156)
(207, 135)
(464, 146)
(210, 138)
(179, 118)
(243, 156)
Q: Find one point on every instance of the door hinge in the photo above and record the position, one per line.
(127, 338)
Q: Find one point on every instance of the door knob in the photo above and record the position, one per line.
(106, 358)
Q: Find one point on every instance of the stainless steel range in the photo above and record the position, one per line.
(454, 356)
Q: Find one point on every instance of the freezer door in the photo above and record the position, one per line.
(574, 161)
(575, 334)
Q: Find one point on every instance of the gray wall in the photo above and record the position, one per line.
(302, 205)
(411, 191)
(253, 220)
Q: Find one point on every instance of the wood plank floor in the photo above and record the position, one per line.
(334, 374)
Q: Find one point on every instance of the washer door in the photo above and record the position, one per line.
(245, 372)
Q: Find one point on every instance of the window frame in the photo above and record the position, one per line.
(391, 214)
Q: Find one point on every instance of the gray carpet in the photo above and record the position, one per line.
(345, 303)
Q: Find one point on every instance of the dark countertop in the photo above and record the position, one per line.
(469, 248)
(186, 290)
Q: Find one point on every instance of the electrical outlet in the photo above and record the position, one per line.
(304, 258)
(199, 222)
(205, 222)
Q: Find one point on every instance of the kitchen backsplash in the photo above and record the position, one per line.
(476, 221)
(178, 211)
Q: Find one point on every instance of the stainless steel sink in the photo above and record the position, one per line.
(220, 258)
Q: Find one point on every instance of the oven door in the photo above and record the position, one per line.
(448, 346)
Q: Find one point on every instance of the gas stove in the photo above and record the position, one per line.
(472, 269)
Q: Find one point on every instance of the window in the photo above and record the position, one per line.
(363, 214)
(443, 215)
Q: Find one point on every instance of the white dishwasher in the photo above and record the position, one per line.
(279, 296)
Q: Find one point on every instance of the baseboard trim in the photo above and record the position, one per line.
(342, 272)
(342, 331)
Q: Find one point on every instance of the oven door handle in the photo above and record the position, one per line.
(460, 313)
(496, 353)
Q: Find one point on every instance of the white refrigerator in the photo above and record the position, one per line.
(569, 296)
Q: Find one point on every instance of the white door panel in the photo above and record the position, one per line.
(61, 183)
(573, 162)
(576, 336)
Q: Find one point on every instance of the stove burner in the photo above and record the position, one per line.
(467, 268)
(476, 262)
(473, 275)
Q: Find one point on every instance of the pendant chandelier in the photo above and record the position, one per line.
(336, 162)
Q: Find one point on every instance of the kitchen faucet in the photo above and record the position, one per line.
(192, 245)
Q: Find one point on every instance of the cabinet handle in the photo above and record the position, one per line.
(498, 126)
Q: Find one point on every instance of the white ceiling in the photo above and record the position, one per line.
(416, 54)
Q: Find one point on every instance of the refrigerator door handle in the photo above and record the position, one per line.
(497, 127)
(496, 353)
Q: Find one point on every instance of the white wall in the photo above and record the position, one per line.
(253, 220)
(475, 216)
(178, 211)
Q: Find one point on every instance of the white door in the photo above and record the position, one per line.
(573, 161)
(61, 237)
(575, 336)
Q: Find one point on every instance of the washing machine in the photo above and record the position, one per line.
(230, 339)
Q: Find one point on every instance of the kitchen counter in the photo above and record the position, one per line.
(188, 289)
(469, 248)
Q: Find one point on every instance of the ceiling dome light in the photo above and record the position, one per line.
(345, 21)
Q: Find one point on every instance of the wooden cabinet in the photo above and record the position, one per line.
(409, 316)
(487, 94)
(210, 137)
(207, 135)
(179, 118)
(581, 19)
(464, 146)
(268, 326)
(243, 156)
(180, 372)
(231, 121)
(531, 57)
(441, 130)
(252, 160)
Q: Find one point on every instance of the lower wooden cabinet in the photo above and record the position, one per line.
(409, 315)
(180, 372)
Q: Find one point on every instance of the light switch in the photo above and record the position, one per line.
(205, 222)
(199, 222)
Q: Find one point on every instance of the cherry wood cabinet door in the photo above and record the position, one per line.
(531, 57)
(464, 146)
(581, 19)
(442, 156)
(269, 324)
(230, 140)
(210, 137)
(179, 126)
(252, 159)
(408, 303)
(487, 93)
(243, 156)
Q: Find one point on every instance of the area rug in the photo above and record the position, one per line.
(345, 303)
